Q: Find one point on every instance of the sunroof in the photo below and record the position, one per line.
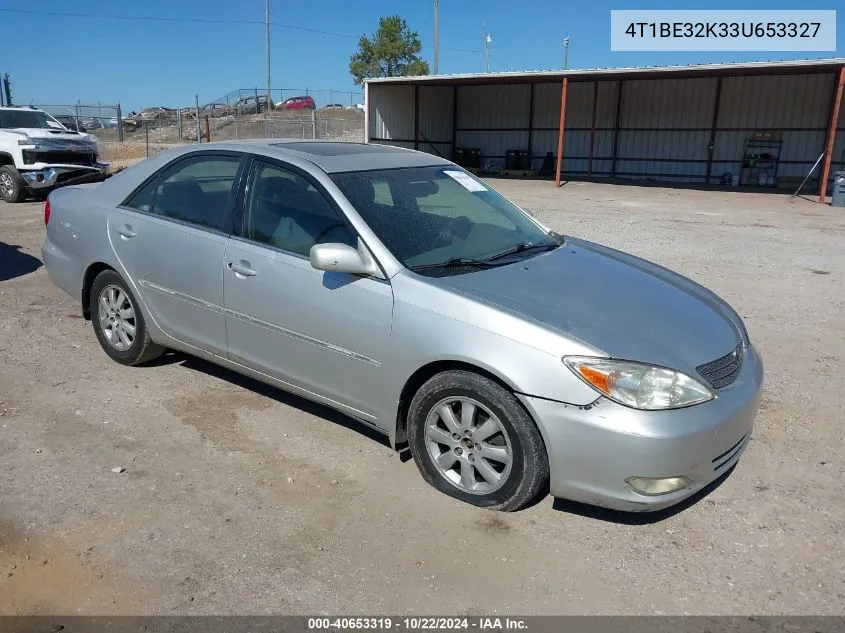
(329, 149)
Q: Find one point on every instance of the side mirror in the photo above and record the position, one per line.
(341, 258)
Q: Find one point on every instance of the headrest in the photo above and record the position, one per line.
(181, 188)
(276, 188)
(361, 191)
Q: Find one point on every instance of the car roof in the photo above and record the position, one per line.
(329, 156)
(333, 156)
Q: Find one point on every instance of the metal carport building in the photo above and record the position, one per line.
(691, 124)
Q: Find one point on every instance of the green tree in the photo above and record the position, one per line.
(391, 52)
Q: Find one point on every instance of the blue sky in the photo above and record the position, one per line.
(144, 63)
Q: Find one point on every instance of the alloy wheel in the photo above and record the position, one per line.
(117, 317)
(7, 187)
(468, 445)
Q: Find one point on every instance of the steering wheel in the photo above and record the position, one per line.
(458, 227)
(326, 230)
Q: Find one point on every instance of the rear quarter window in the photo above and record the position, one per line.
(142, 200)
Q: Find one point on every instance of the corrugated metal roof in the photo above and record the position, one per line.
(585, 74)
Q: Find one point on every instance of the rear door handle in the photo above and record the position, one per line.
(125, 232)
(241, 269)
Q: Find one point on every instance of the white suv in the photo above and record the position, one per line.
(38, 154)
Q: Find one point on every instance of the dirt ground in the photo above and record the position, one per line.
(239, 498)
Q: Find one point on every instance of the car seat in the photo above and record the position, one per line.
(184, 200)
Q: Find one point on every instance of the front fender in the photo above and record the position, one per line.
(432, 325)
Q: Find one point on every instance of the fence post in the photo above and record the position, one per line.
(207, 130)
(147, 136)
(179, 123)
(197, 115)
(313, 124)
(77, 115)
(119, 124)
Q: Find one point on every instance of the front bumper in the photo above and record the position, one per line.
(594, 449)
(46, 177)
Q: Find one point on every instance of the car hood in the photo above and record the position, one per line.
(623, 305)
(38, 132)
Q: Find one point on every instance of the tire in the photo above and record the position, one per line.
(108, 322)
(11, 184)
(514, 451)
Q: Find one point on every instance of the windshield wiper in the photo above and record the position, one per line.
(456, 262)
(523, 248)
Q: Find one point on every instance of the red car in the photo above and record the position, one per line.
(298, 103)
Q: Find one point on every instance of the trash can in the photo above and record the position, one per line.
(838, 197)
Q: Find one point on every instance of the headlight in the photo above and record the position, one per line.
(26, 141)
(639, 385)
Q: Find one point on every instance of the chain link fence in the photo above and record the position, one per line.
(169, 129)
(322, 97)
(242, 114)
(99, 119)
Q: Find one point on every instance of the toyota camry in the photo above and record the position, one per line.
(404, 291)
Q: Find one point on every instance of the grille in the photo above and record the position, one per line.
(61, 157)
(722, 371)
(720, 461)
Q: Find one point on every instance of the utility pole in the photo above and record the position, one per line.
(267, 39)
(436, 48)
(7, 89)
(566, 52)
(488, 39)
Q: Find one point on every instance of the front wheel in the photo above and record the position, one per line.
(471, 439)
(11, 184)
(119, 323)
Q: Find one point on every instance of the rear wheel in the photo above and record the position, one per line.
(471, 439)
(11, 184)
(119, 323)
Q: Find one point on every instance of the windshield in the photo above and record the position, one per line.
(25, 118)
(427, 216)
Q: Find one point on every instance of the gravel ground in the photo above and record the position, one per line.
(239, 498)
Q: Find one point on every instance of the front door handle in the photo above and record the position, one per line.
(125, 232)
(241, 269)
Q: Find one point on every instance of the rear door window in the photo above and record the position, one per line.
(194, 190)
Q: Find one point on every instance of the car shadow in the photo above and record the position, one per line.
(333, 281)
(194, 363)
(279, 395)
(638, 518)
(15, 263)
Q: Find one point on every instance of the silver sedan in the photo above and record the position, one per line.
(400, 289)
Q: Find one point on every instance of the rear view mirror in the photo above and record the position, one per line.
(423, 188)
(341, 258)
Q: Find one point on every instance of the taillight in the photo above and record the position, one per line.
(47, 212)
